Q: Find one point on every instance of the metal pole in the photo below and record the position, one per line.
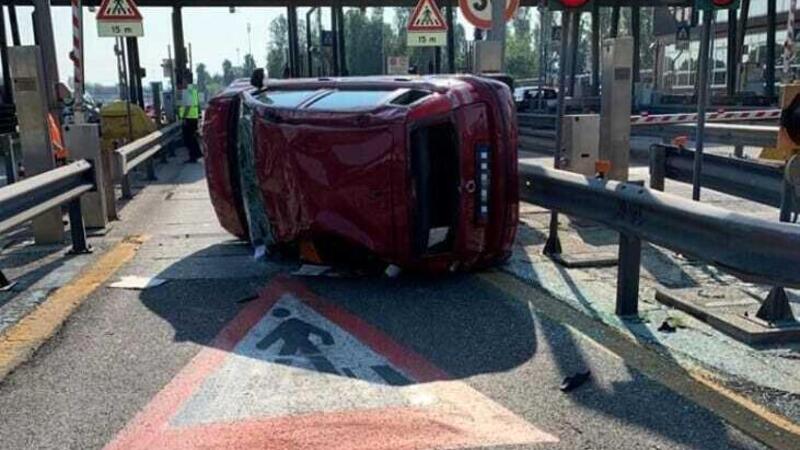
(180, 52)
(77, 58)
(614, 22)
(309, 56)
(731, 64)
(544, 43)
(342, 42)
(77, 228)
(595, 50)
(8, 93)
(574, 42)
(637, 54)
(658, 163)
(553, 244)
(294, 48)
(12, 19)
(43, 26)
(740, 32)
(335, 48)
(451, 40)
(132, 69)
(769, 72)
(630, 256)
(498, 31)
(702, 100)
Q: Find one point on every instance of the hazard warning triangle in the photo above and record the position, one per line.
(426, 17)
(115, 10)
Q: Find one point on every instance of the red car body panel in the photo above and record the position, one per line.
(375, 177)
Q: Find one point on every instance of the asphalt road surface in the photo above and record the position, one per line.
(231, 353)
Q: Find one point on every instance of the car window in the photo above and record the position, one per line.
(285, 99)
(346, 100)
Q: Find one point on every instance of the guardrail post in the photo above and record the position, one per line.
(658, 166)
(127, 192)
(151, 170)
(630, 255)
(738, 151)
(77, 229)
(10, 158)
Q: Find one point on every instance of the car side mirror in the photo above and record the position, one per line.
(257, 78)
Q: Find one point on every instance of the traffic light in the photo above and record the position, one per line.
(572, 4)
(716, 4)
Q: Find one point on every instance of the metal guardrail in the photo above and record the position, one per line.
(761, 182)
(131, 155)
(722, 133)
(538, 129)
(750, 248)
(27, 199)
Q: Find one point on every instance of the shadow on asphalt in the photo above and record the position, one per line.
(461, 324)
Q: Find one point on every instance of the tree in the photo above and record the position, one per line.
(364, 41)
(249, 65)
(521, 60)
(278, 47)
(227, 72)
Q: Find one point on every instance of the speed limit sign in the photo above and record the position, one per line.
(479, 12)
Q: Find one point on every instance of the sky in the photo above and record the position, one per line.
(215, 34)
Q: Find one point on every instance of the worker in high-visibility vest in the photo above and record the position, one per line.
(189, 112)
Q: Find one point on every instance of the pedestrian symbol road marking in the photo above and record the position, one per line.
(293, 370)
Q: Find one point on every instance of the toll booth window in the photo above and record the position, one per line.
(285, 99)
(350, 100)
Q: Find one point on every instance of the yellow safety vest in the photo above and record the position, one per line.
(190, 109)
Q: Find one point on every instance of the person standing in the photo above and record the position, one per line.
(189, 112)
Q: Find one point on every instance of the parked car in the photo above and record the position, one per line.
(416, 172)
(535, 98)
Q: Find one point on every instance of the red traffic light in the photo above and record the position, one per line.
(570, 4)
(723, 3)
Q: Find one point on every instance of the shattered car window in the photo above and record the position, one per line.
(285, 99)
(259, 227)
(347, 100)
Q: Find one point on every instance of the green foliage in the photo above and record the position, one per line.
(521, 59)
(248, 66)
(278, 49)
(202, 78)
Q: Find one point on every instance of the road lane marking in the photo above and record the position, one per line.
(293, 370)
(20, 341)
(700, 387)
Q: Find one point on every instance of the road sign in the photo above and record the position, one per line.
(426, 27)
(479, 12)
(119, 18)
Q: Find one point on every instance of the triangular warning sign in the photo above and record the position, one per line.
(426, 17)
(118, 10)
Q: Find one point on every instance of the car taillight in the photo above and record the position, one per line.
(483, 182)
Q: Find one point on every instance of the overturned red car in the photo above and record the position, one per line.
(416, 172)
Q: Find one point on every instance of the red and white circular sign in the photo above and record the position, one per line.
(479, 12)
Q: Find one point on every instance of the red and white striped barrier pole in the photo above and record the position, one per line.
(720, 116)
(77, 58)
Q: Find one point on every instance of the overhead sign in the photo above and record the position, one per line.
(294, 370)
(119, 18)
(426, 26)
(479, 12)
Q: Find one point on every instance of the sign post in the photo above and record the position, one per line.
(119, 18)
(427, 27)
